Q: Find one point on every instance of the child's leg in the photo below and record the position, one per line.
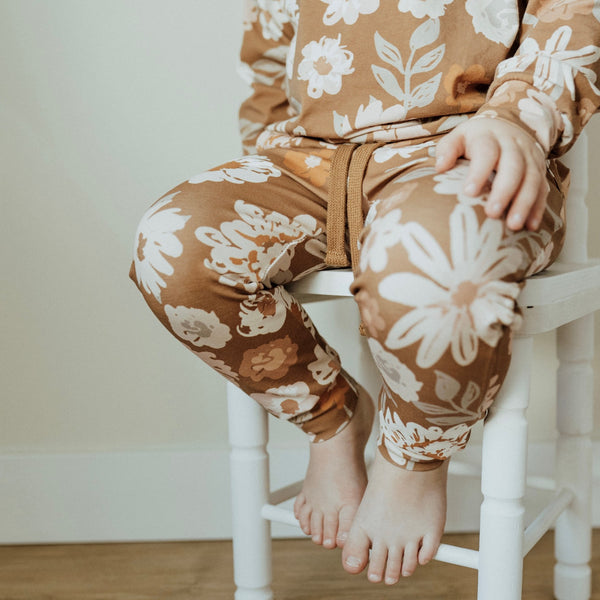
(210, 258)
(436, 287)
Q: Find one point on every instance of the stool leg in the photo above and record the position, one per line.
(504, 465)
(573, 533)
(248, 435)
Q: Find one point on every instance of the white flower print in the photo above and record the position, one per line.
(453, 182)
(251, 169)
(210, 358)
(461, 301)
(197, 326)
(370, 116)
(534, 111)
(384, 233)
(417, 442)
(155, 239)
(555, 66)
(398, 377)
(596, 10)
(324, 64)
(272, 17)
(250, 14)
(385, 153)
(498, 20)
(422, 8)
(326, 368)
(263, 312)
(256, 250)
(348, 10)
(287, 401)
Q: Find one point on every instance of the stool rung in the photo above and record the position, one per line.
(446, 553)
(285, 493)
(547, 517)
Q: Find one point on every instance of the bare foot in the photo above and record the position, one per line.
(401, 519)
(336, 479)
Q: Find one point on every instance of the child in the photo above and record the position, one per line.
(440, 121)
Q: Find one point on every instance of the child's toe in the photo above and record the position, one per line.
(394, 564)
(356, 551)
(409, 559)
(428, 549)
(346, 517)
(305, 518)
(377, 562)
(330, 528)
(316, 526)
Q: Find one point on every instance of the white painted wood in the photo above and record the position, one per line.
(248, 436)
(572, 573)
(504, 459)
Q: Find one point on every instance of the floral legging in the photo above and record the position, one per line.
(436, 286)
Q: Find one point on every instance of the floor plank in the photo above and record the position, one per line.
(202, 571)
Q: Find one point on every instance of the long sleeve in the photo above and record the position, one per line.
(265, 46)
(549, 87)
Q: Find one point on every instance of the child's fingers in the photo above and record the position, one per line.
(539, 208)
(509, 175)
(483, 151)
(448, 149)
(526, 197)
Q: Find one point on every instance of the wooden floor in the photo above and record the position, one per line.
(202, 571)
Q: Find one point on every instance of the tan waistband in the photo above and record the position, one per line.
(346, 175)
(347, 171)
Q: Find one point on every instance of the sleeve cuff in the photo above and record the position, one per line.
(520, 103)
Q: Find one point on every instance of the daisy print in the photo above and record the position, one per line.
(155, 240)
(348, 10)
(324, 64)
(251, 169)
(458, 302)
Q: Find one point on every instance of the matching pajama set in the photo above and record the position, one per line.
(349, 100)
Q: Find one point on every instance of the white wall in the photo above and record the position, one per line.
(105, 106)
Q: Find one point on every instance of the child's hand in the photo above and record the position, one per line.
(520, 165)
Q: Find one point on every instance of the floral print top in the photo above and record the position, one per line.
(387, 70)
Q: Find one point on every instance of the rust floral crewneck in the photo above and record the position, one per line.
(389, 70)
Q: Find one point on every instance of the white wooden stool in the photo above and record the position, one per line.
(562, 298)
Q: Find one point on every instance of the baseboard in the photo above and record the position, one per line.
(177, 494)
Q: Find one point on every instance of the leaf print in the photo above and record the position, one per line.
(388, 82)
(348, 10)
(197, 326)
(398, 377)
(446, 386)
(430, 60)
(425, 34)
(555, 66)
(155, 239)
(424, 93)
(210, 358)
(251, 169)
(388, 52)
(324, 64)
